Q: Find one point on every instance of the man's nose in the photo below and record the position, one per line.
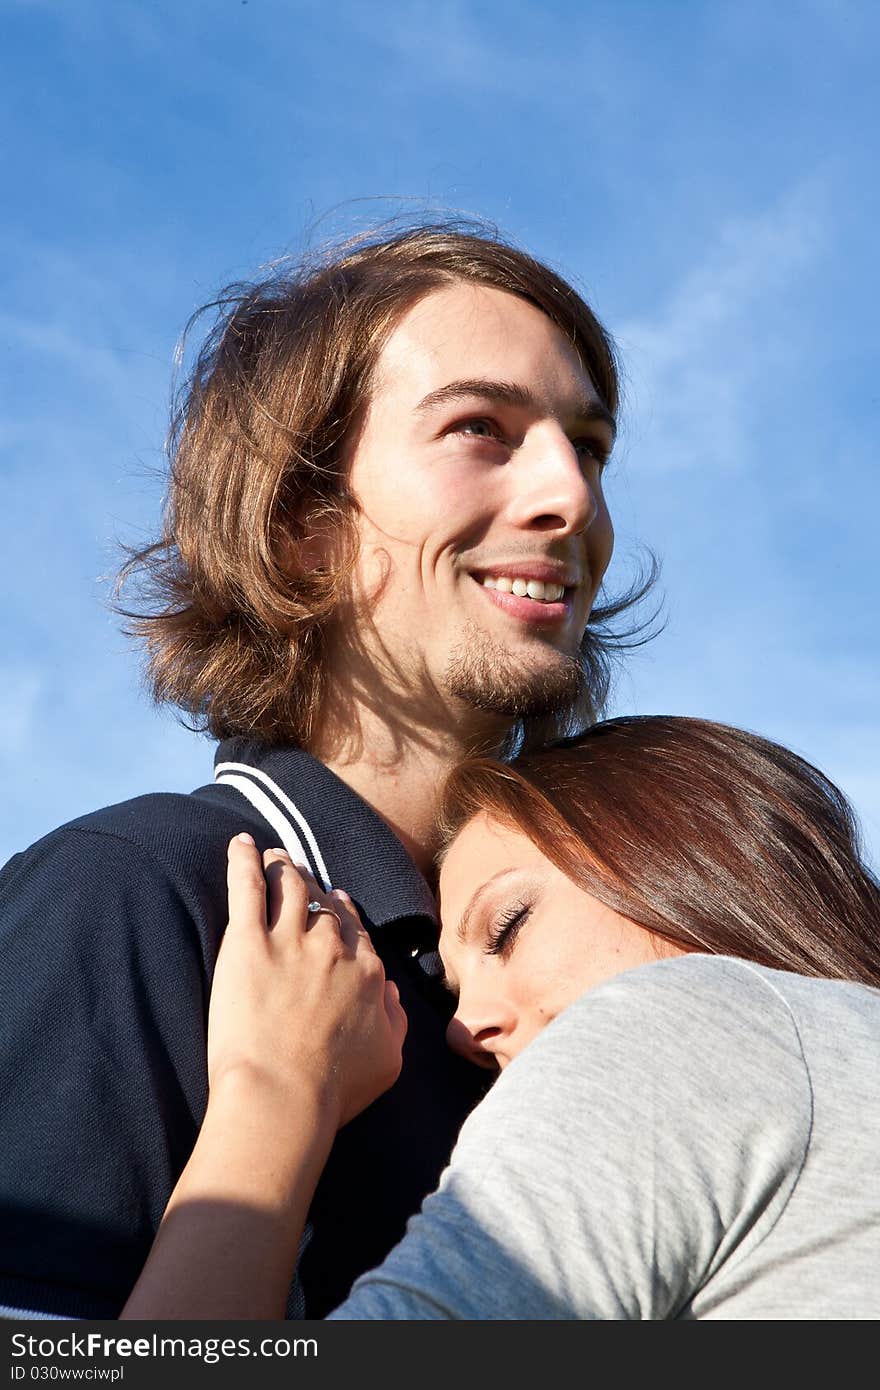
(550, 489)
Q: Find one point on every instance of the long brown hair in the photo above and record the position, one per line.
(233, 623)
(711, 837)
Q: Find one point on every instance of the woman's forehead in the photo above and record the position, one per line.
(483, 849)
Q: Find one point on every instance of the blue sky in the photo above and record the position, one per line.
(705, 172)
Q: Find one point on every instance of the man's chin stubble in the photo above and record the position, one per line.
(486, 676)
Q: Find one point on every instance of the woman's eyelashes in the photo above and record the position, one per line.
(503, 931)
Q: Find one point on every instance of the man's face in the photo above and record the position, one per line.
(483, 531)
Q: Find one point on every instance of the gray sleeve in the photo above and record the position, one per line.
(651, 1134)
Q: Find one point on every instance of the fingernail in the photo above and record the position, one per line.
(279, 850)
(341, 894)
(246, 839)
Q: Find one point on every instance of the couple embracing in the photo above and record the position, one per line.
(627, 1072)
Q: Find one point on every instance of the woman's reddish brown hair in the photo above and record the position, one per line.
(708, 836)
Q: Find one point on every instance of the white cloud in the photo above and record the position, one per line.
(91, 18)
(723, 331)
(100, 364)
(21, 690)
(520, 55)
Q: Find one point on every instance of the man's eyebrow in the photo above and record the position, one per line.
(510, 393)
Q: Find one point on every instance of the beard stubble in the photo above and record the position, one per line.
(488, 677)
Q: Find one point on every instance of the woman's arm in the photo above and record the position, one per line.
(304, 1032)
(630, 1164)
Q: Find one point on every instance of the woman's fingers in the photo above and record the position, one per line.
(293, 891)
(246, 885)
(350, 928)
(353, 933)
(300, 997)
(396, 1013)
(290, 890)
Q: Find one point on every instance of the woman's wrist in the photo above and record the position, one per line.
(228, 1241)
(268, 1096)
(263, 1138)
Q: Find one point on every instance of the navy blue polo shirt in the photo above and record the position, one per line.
(109, 930)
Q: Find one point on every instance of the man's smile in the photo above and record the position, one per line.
(527, 608)
(541, 592)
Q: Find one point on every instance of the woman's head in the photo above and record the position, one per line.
(645, 836)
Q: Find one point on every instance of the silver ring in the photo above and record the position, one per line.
(315, 907)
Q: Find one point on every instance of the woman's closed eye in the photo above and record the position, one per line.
(503, 932)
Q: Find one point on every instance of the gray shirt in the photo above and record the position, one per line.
(696, 1138)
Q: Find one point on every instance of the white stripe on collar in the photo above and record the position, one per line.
(241, 775)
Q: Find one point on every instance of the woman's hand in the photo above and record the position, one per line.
(300, 1003)
(303, 1033)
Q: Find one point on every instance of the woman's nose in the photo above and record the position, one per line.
(473, 1044)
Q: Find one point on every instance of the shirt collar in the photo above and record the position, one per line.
(362, 853)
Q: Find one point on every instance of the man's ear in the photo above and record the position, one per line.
(312, 540)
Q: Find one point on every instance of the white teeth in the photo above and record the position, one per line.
(532, 588)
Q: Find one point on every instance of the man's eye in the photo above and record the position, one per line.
(593, 450)
(482, 429)
(503, 933)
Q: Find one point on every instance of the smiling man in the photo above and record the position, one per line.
(384, 539)
(482, 538)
